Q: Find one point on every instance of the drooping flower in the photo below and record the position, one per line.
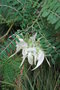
(31, 51)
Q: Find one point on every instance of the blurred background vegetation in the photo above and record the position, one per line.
(28, 17)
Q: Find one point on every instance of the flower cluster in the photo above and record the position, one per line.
(31, 51)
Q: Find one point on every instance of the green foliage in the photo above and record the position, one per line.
(17, 11)
(33, 16)
(51, 11)
(42, 79)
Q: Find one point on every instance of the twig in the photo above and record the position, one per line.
(56, 83)
(7, 32)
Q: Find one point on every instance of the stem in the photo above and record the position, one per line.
(4, 82)
(7, 32)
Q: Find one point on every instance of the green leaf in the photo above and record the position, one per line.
(45, 13)
(52, 18)
(57, 25)
(58, 11)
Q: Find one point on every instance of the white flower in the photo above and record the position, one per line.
(33, 53)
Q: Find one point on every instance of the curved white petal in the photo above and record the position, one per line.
(24, 53)
(35, 57)
(13, 55)
(22, 62)
(20, 45)
(30, 58)
(20, 39)
(48, 62)
(40, 59)
(33, 37)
